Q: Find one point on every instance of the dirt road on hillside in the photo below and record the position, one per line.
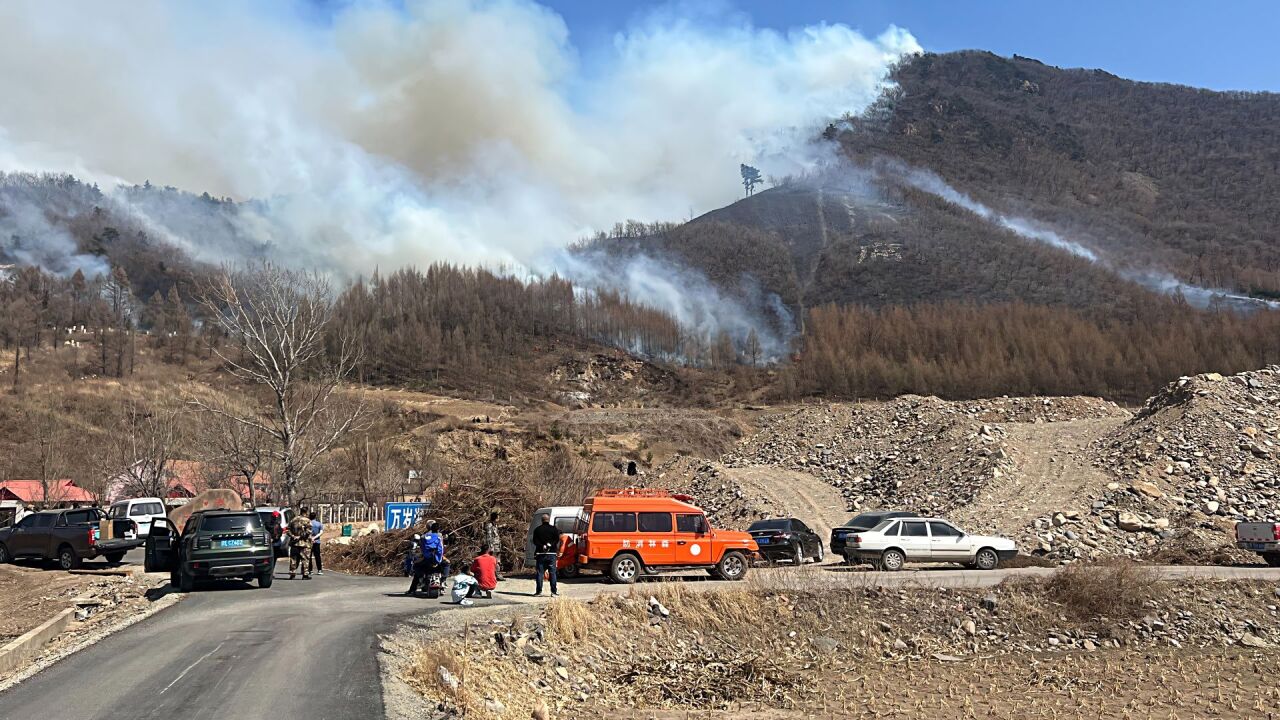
(798, 494)
(1053, 473)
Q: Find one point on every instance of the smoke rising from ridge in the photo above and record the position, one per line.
(468, 131)
(1157, 280)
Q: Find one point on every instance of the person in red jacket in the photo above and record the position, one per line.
(485, 570)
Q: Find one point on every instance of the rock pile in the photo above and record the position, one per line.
(1201, 455)
(922, 453)
(728, 504)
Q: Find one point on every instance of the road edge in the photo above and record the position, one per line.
(43, 662)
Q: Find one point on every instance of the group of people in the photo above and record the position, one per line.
(304, 532)
(426, 558)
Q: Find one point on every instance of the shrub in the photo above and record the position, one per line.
(1115, 589)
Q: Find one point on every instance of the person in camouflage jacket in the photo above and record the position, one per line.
(300, 545)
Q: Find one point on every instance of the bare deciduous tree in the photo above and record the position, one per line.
(143, 447)
(238, 450)
(281, 321)
(45, 449)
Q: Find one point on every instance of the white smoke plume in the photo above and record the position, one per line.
(392, 133)
(27, 236)
(687, 296)
(1157, 280)
(934, 185)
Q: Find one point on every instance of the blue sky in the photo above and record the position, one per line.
(1220, 45)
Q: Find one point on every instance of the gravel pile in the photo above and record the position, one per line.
(914, 452)
(1201, 455)
(727, 503)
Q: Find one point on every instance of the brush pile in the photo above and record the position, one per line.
(381, 554)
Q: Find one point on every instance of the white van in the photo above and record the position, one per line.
(140, 510)
(566, 519)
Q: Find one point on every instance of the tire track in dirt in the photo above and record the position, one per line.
(1052, 471)
(793, 493)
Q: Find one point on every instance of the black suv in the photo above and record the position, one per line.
(214, 544)
(861, 523)
(787, 538)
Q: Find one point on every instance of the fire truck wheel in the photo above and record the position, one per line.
(733, 566)
(625, 568)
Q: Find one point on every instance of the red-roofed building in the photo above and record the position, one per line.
(29, 493)
(187, 478)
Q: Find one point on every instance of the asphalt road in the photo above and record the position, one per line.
(300, 649)
(308, 649)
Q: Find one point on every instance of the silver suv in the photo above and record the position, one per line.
(275, 520)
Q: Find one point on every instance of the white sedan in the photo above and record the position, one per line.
(894, 543)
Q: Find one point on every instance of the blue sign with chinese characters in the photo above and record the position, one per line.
(403, 515)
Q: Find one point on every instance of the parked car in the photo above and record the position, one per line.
(213, 544)
(139, 510)
(1262, 538)
(898, 541)
(275, 520)
(639, 531)
(861, 522)
(787, 538)
(569, 520)
(67, 536)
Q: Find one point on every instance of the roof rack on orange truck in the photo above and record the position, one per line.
(638, 531)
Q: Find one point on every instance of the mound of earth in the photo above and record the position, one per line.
(1201, 455)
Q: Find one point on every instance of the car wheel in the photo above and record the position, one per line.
(822, 553)
(186, 581)
(625, 569)
(892, 560)
(114, 558)
(569, 572)
(797, 553)
(174, 578)
(265, 579)
(67, 558)
(986, 559)
(1272, 559)
(732, 566)
(4, 555)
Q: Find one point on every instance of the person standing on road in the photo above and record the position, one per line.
(493, 539)
(300, 545)
(317, 529)
(546, 551)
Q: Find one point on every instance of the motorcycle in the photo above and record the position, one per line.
(435, 583)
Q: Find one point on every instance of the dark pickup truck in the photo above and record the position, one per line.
(68, 536)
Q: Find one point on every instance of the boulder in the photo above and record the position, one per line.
(1129, 522)
(1253, 641)
(1148, 489)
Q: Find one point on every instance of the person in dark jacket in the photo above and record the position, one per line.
(546, 550)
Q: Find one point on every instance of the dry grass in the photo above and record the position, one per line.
(1115, 589)
(429, 671)
(570, 621)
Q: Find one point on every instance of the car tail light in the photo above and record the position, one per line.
(203, 544)
(854, 539)
(1275, 532)
(92, 540)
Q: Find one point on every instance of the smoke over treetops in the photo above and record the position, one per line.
(470, 131)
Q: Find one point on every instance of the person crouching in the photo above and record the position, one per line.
(485, 570)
